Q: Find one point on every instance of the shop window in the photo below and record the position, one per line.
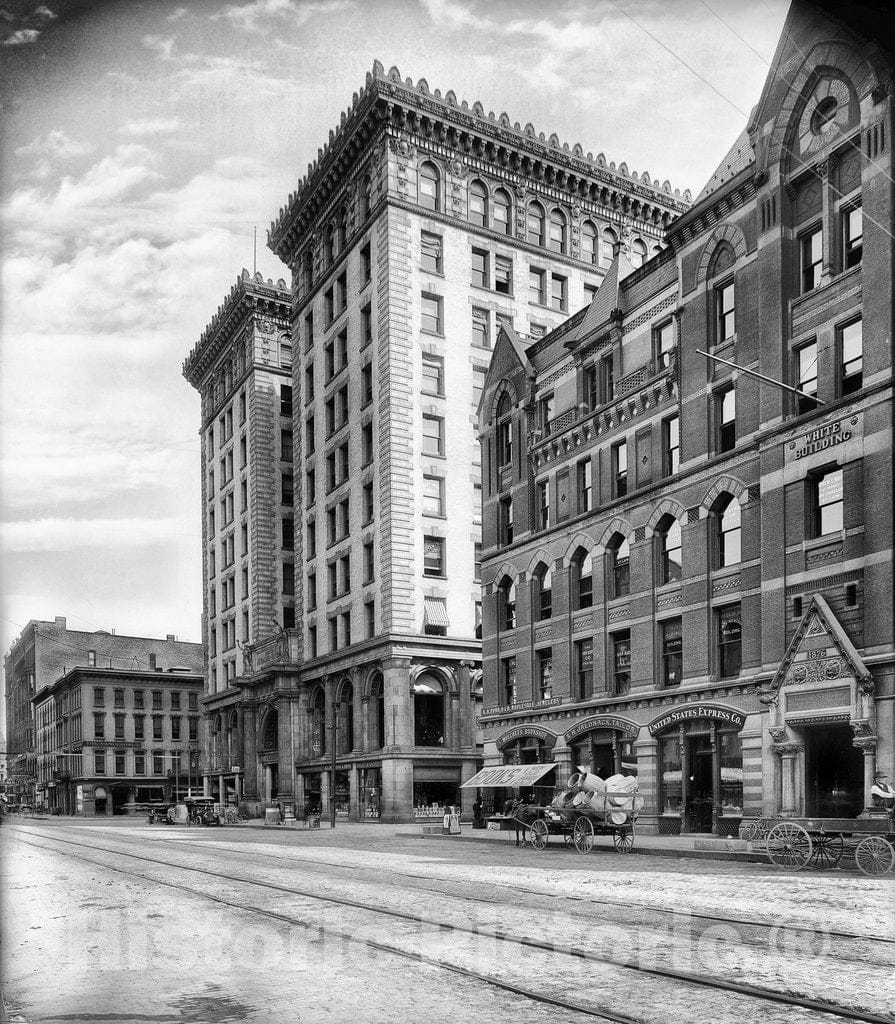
(620, 644)
(826, 502)
(545, 672)
(670, 775)
(582, 580)
(731, 756)
(730, 640)
(619, 550)
(669, 534)
(428, 711)
(728, 524)
(671, 637)
(811, 250)
(851, 358)
(852, 236)
(806, 377)
(583, 668)
(503, 210)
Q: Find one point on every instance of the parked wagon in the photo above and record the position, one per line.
(821, 842)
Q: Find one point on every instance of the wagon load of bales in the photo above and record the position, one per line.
(615, 799)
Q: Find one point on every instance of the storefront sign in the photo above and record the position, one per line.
(714, 712)
(821, 439)
(522, 705)
(602, 722)
(522, 732)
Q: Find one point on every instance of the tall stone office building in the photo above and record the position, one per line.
(424, 225)
(688, 569)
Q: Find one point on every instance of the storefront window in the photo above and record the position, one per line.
(370, 792)
(432, 797)
(670, 775)
(313, 793)
(731, 774)
(428, 712)
(342, 795)
(605, 752)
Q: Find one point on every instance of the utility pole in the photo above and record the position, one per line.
(332, 770)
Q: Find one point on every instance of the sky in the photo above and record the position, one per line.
(141, 145)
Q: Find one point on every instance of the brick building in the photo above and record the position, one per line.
(688, 569)
(46, 667)
(423, 226)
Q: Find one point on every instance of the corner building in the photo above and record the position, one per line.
(687, 568)
(423, 226)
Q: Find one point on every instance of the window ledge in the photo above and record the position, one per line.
(812, 543)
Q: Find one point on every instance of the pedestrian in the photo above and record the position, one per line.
(477, 820)
(281, 812)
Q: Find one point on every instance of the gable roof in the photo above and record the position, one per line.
(738, 158)
(606, 301)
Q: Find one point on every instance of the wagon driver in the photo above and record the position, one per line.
(881, 793)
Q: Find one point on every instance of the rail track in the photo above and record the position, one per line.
(664, 974)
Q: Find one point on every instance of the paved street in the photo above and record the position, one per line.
(121, 921)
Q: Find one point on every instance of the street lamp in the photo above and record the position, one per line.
(332, 770)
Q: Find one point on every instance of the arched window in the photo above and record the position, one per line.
(504, 431)
(345, 724)
(727, 516)
(328, 245)
(507, 609)
(557, 231)
(377, 713)
(430, 187)
(669, 534)
(536, 221)
(366, 197)
(318, 723)
(588, 242)
(582, 579)
(638, 253)
(232, 722)
(341, 231)
(270, 739)
(428, 711)
(620, 565)
(542, 578)
(478, 204)
(656, 250)
(607, 247)
(503, 210)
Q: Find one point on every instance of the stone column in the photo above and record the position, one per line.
(250, 753)
(365, 723)
(221, 789)
(398, 702)
(466, 707)
(867, 745)
(789, 753)
(647, 753)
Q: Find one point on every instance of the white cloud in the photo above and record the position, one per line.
(43, 12)
(159, 45)
(177, 14)
(62, 534)
(252, 17)
(21, 37)
(55, 144)
(149, 126)
(454, 16)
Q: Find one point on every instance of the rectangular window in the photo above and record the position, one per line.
(671, 633)
(99, 762)
(590, 387)
(312, 591)
(193, 701)
(156, 700)
(368, 509)
(584, 668)
(663, 344)
(620, 469)
(310, 435)
(157, 727)
(852, 236)
(433, 374)
(621, 661)
(806, 377)
(312, 641)
(138, 727)
(310, 487)
(341, 292)
(559, 292)
(480, 276)
(585, 485)
(139, 762)
(506, 521)
(158, 762)
(333, 624)
(811, 249)
(366, 326)
(725, 417)
(826, 502)
(508, 673)
(671, 445)
(288, 578)
(478, 384)
(370, 619)
(730, 640)
(430, 252)
(481, 327)
(175, 728)
(193, 729)
(545, 673)
(431, 313)
(477, 561)
(503, 275)
(312, 538)
(328, 307)
(725, 312)
(433, 435)
(545, 413)
(98, 727)
(607, 379)
(366, 264)
(138, 698)
(369, 563)
(433, 556)
(543, 504)
(537, 286)
(118, 698)
(286, 488)
(309, 331)
(433, 495)
(309, 382)
(851, 358)
(119, 727)
(366, 383)
(286, 445)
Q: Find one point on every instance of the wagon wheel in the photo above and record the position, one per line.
(789, 846)
(567, 838)
(875, 855)
(623, 839)
(583, 834)
(827, 850)
(539, 834)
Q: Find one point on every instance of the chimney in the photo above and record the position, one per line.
(152, 661)
(171, 636)
(60, 621)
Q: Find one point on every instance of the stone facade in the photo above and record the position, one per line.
(697, 584)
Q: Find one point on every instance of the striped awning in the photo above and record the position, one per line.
(436, 612)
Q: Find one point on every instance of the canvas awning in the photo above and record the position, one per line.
(508, 775)
(436, 612)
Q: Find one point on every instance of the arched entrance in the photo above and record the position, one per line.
(524, 745)
(428, 711)
(605, 744)
(100, 800)
(269, 754)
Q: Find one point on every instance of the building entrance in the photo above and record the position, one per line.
(834, 773)
(699, 790)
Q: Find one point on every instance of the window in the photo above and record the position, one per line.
(545, 412)
(559, 287)
(582, 580)
(557, 231)
(288, 578)
(433, 374)
(725, 417)
(157, 726)
(312, 539)
(505, 522)
(368, 509)
(431, 314)
(608, 246)
(286, 445)
(286, 488)
(507, 603)
(370, 619)
(537, 286)
(118, 698)
(91, 659)
(312, 591)
(588, 242)
(480, 268)
(536, 224)
(585, 485)
(366, 326)
(544, 580)
(663, 344)
(366, 383)
(175, 727)
(309, 382)
(430, 252)
(620, 566)
(620, 469)
(589, 383)
(826, 502)
(430, 187)
(730, 640)
(435, 621)
(852, 236)
(621, 661)
(193, 726)
(158, 762)
(729, 534)
(366, 264)
(545, 673)
(504, 432)
(671, 445)
(478, 204)
(366, 196)
(477, 561)
(309, 332)
(811, 250)
(583, 667)
(312, 641)
(671, 633)
(638, 253)
(543, 504)
(669, 534)
(481, 328)
(433, 495)
(138, 698)
(433, 556)
(99, 762)
(503, 275)
(508, 674)
(590, 293)
(433, 435)
(806, 377)
(119, 727)
(366, 440)
(99, 728)
(725, 312)
(851, 365)
(478, 384)
(368, 563)
(503, 207)
(139, 762)
(329, 310)
(156, 700)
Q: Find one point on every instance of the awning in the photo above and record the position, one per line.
(436, 612)
(508, 775)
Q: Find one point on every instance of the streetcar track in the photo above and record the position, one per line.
(702, 981)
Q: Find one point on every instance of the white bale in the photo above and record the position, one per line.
(617, 788)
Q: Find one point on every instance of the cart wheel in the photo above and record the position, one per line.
(623, 839)
(751, 831)
(583, 834)
(875, 855)
(827, 850)
(789, 846)
(567, 838)
(539, 834)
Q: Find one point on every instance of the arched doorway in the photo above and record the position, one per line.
(100, 800)
(605, 752)
(269, 754)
